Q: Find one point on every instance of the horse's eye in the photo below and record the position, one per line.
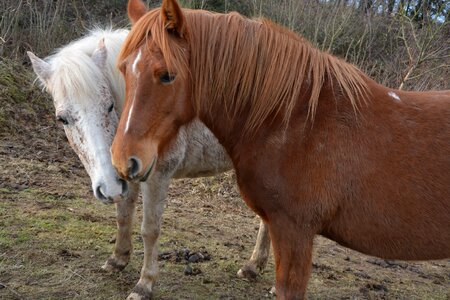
(166, 77)
(110, 108)
(62, 120)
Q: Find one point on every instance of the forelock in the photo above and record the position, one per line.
(75, 75)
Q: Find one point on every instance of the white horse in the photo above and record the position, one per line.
(88, 93)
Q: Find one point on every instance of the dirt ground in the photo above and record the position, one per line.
(54, 236)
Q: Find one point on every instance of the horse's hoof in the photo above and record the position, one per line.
(140, 293)
(135, 296)
(273, 291)
(112, 265)
(248, 272)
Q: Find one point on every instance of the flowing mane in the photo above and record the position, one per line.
(74, 72)
(248, 64)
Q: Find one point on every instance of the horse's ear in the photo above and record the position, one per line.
(40, 67)
(173, 18)
(100, 54)
(136, 9)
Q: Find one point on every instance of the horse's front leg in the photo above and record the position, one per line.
(260, 255)
(154, 193)
(125, 211)
(292, 244)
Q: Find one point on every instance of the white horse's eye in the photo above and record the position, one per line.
(110, 108)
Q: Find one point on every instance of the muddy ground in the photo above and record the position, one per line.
(54, 236)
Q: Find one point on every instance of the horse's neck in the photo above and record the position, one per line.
(227, 130)
(255, 86)
(332, 106)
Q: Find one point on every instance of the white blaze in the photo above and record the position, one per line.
(134, 69)
(129, 116)
(136, 61)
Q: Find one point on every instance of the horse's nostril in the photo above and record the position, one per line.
(124, 187)
(134, 167)
(99, 194)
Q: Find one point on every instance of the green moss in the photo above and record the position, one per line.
(3, 208)
(4, 190)
(19, 96)
(6, 241)
(14, 81)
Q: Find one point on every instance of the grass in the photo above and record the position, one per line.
(54, 237)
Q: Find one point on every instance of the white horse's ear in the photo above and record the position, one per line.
(40, 67)
(100, 54)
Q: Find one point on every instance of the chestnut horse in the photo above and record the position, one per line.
(318, 147)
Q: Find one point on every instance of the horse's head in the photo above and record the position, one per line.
(154, 62)
(85, 106)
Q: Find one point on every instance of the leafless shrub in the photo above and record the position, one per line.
(400, 48)
(42, 25)
(423, 45)
(394, 49)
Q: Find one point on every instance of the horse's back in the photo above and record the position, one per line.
(443, 95)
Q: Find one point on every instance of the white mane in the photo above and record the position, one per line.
(74, 72)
